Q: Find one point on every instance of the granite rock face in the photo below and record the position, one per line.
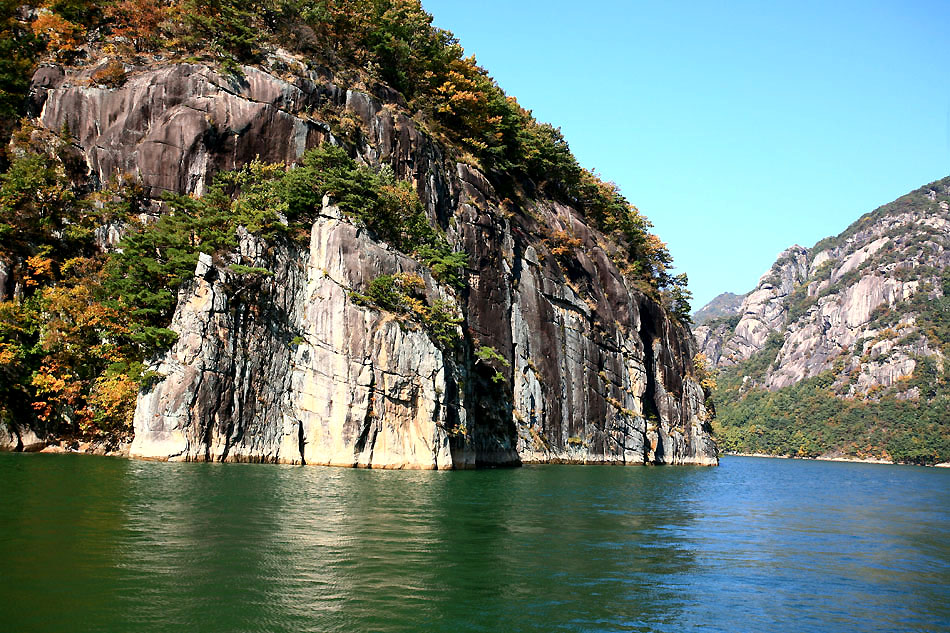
(291, 367)
(9, 440)
(823, 307)
(174, 126)
(762, 311)
(15, 438)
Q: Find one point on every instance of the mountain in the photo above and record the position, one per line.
(315, 232)
(724, 305)
(841, 349)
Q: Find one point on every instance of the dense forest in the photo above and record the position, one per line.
(81, 317)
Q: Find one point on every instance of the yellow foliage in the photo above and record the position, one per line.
(409, 282)
(113, 398)
(704, 372)
(9, 354)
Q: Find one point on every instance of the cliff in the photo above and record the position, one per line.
(285, 350)
(862, 318)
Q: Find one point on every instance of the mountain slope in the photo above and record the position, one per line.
(724, 305)
(317, 233)
(857, 327)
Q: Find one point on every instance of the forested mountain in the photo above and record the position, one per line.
(723, 305)
(315, 231)
(842, 348)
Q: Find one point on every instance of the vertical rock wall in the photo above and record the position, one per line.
(288, 368)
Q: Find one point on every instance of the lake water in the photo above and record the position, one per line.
(100, 544)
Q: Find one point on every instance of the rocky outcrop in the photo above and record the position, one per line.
(763, 311)
(290, 367)
(9, 440)
(15, 438)
(848, 305)
(174, 126)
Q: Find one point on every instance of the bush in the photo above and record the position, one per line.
(404, 294)
(112, 75)
(389, 208)
(490, 357)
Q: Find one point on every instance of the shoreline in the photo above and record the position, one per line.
(100, 449)
(121, 450)
(823, 458)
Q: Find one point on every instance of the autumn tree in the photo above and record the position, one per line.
(138, 22)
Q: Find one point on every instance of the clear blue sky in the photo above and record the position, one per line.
(738, 128)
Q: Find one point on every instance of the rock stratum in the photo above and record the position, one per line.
(292, 367)
(861, 317)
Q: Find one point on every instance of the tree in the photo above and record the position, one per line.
(138, 21)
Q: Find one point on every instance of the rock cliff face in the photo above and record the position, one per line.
(850, 305)
(19, 438)
(290, 367)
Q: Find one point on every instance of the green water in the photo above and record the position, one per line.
(99, 544)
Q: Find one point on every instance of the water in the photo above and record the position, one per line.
(99, 544)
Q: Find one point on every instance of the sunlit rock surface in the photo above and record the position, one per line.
(825, 304)
(289, 368)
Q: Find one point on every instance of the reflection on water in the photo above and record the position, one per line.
(759, 545)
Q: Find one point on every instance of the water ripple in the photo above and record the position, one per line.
(754, 545)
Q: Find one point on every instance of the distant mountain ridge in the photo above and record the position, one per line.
(724, 305)
(863, 320)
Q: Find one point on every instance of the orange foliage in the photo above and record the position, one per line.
(563, 243)
(62, 36)
(78, 324)
(39, 268)
(58, 392)
(138, 22)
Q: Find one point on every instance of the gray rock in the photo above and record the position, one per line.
(289, 368)
(5, 280)
(30, 441)
(174, 126)
(833, 295)
(9, 440)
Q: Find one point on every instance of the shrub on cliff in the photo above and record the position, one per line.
(404, 295)
(271, 201)
(388, 207)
